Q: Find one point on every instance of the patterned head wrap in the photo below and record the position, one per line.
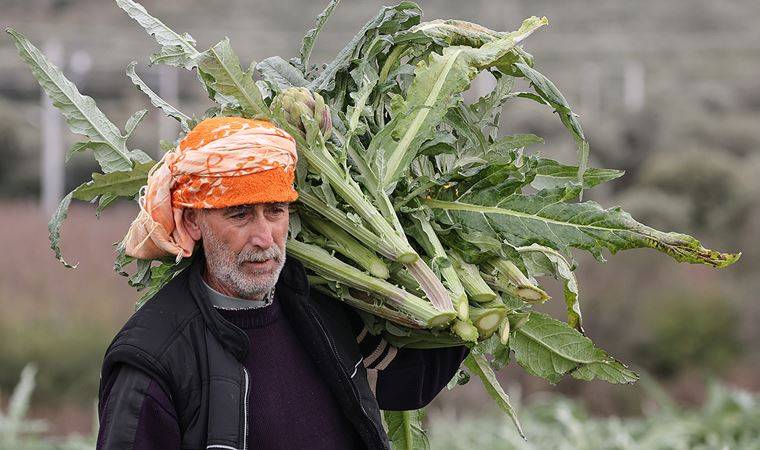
(222, 162)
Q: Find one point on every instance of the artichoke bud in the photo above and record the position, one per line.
(297, 101)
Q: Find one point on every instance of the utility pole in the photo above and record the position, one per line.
(591, 90)
(168, 89)
(634, 86)
(51, 123)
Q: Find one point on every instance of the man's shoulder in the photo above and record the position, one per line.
(161, 319)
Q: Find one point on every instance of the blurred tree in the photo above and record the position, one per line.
(690, 329)
(708, 185)
(19, 176)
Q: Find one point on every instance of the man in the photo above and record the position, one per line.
(236, 352)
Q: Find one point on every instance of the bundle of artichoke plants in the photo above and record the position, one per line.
(412, 208)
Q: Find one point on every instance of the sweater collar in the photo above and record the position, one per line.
(221, 301)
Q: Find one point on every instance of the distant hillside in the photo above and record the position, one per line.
(645, 76)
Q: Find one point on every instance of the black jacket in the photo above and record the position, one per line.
(181, 342)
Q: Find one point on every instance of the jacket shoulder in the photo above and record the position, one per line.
(153, 328)
(161, 318)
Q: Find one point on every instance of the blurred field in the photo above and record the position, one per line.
(58, 318)
(727, 420)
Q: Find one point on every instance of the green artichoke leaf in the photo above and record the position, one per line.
(133, 121)
(390, 19)
(160, 275)
(54, 229)
(307, 44)
(550, 94)
(552, 174)
(541, 261)
(545, 218)
(121, 184)
(80, 111)
(549, 348)
(463, 121)
(280, 73)
(226, 83)
(488, 108)
(405, 429)
(494, 180)
(176, 49)
(438, 82)
(185, 121)
(479, 366)
(456, 32)
(515, 142)
(104, 202)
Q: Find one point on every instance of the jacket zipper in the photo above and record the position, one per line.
(245, 409)
(342, 368)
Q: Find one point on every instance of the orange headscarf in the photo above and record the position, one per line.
(222, 162)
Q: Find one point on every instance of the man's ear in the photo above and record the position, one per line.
(192, 216)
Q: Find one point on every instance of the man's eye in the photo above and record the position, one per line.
(278, 210)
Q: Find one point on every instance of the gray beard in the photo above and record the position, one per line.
(226, 266)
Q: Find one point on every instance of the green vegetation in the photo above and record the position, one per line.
(18, 432)
(727, 420)
(68, 358)
(691, 329)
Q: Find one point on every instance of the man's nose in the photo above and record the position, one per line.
(260, 232)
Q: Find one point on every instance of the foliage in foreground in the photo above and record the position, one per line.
(727, 420)
(18, 432)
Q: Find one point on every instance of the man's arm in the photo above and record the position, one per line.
(405, 378)
(135, 413)
(409, 378)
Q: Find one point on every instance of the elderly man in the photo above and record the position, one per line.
(236, 352)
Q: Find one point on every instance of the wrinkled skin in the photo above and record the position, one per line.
(244, 246)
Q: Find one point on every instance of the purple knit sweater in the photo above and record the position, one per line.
(290, 407)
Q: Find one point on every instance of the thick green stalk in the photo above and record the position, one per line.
(403, 278)
(465, 330)
(426, 237)
(431, 285)
(312, 147)
(330, 267)
(379, 106)
(393, 56)
(477, 289)
(354, 149)
(501, 284)
(504, 330)
(338, 217)
(368, 303)
(371, 184)
(487, 320)
(346, 245)
(525, 289)
(323, 162)
(316, 280)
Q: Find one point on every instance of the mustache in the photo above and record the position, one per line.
(253, 255)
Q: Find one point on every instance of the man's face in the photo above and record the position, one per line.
(244, 247)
